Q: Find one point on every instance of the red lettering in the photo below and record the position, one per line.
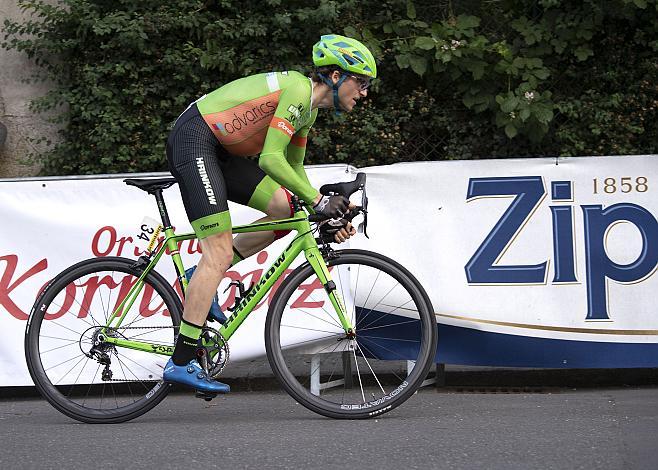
(145, 307)
(123, 241)
(92, 285)
(96, 240)
(6, 287)
(194, 247)
(67, 302)
(307, 290)
(277, 284)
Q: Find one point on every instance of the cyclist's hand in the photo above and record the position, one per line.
(344, 233)
(332, 207)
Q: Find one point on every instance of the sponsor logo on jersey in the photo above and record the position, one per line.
(220, 127)
(283, 125)
(206, 181)
(208, 227)
(241, 118)
(295, 112)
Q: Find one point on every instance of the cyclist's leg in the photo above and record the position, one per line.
(192, 152)
(248, 184)
(277, 208)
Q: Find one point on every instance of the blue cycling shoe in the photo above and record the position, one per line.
(193, 376)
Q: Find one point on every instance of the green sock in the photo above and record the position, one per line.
(237, 257)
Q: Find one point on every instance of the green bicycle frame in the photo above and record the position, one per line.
(303, 241)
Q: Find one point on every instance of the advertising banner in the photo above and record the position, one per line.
(528, 262)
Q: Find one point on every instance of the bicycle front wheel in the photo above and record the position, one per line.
(74, 368)
(362, 373)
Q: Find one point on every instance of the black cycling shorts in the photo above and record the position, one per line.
(208, 176)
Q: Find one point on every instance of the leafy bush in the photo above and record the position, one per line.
(493, 79)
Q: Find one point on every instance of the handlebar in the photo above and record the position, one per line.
(346, 189)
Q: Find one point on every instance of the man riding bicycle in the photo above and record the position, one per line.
(269, 115)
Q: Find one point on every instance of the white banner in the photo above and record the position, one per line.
(536, 262)
(529, 262)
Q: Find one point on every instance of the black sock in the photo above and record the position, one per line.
(186, 344)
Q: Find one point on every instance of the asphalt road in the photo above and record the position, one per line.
(566, 429)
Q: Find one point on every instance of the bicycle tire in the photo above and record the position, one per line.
(59, 320)
(297, 345)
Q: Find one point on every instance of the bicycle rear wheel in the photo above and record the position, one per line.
(74, 369)
(368, 372)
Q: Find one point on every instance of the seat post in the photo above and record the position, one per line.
(162, 208)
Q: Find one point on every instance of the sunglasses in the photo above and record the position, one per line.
(364, 83)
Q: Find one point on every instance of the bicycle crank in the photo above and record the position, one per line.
(212, 352)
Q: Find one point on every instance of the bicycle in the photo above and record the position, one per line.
(348, 334)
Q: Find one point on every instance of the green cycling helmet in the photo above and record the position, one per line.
(347, 53)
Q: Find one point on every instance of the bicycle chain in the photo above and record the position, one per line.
(211, 370)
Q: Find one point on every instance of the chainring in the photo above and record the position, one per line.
(214, 352)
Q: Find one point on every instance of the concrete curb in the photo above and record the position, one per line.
(489, 380)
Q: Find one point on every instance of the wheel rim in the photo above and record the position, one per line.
(73, 311)
(363, 372)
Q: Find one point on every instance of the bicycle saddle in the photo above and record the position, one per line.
(150, 185)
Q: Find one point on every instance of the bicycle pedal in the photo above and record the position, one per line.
(205, 395)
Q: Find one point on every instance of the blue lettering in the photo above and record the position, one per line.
(529, 192)
(563, 244)
(600, 266)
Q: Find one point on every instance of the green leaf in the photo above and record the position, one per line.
(425, 43)
(543, 113)
(350, 31)
(469, 101)
(524, 114)
(582, 53)
(467, 21)
(418, 64)
(511, 131)
(411, 10)
(402, 60)
(509, 105)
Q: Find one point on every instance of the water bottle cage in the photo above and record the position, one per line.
(242, 293)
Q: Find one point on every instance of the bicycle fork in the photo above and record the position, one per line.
(318, 264)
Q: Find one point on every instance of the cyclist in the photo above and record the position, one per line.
(269, 115)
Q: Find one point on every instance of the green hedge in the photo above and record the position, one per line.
(458, 79)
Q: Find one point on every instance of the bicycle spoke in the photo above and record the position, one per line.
(358, 374)
(371, 370)
(387, 326)
(60, 339)
(63, 362)
(387, 313)
(91, 384)
(137, 364)
(69, 371)
(59, 347)
(376, 305)
(126, 378)
(362, 375)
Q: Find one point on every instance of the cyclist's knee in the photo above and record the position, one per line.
(279, 208)
(217, 251)
(279, 205)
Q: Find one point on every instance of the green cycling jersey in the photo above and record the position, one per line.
(268, 114)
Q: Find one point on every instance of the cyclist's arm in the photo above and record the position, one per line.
(296, 150)
(273, 159)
